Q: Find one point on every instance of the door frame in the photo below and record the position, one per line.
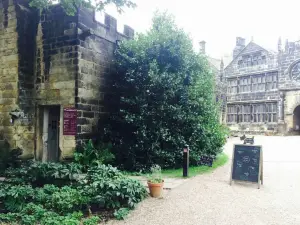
(41, 149)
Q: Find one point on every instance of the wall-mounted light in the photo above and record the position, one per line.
(15, 115)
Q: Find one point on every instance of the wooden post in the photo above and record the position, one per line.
(186, 157)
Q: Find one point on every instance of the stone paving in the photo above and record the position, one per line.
(209, 199)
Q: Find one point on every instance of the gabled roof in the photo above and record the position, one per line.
(250, 47)
(216, 63)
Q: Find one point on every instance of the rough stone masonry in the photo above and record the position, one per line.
(50, 61)
(263, 88)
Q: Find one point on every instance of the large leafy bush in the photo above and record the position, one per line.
(87, 154)
(167, 100)
(25, 199)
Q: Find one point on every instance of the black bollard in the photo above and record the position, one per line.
(186, 161)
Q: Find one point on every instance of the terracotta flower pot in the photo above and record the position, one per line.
(155, 189)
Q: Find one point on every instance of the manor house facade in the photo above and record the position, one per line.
(263, 88)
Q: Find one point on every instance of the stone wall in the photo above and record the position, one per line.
(8, 69)
(96, 54)
(287, 59)
(289, 82)
(17, 50)
(232, 70)
(236, 72)
(52, 59)
(56, 70)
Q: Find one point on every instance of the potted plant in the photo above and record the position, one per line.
(155, 182)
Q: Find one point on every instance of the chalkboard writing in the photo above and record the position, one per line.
(247, 163)
(70, 121)
(206, 161)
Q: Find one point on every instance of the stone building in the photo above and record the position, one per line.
(217, 69)
(263, 88)
(54, 72)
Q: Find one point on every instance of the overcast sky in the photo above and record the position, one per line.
(219, 22)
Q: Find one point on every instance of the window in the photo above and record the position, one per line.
(255, 60)
(232, 86)
(252, 60)
(249, 61)
(246, 113)
(245, 85)
(271, 112)
(259, 60)
(271, 81)
(256, 113)
(258, 83)
(232, 114)
(240, 63)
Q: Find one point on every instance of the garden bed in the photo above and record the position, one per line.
(54, 193)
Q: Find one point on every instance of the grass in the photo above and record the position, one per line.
(197, 170)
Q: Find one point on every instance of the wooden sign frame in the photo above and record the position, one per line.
(260, 170)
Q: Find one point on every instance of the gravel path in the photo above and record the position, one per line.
(209, 199)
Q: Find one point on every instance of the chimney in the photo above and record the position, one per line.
(202, 47)
(279, 45)
(239, 46)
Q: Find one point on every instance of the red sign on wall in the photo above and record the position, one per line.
(70, 121)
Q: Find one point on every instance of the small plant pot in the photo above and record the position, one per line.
(155, 189)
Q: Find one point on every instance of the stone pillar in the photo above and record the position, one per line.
(281, 108)
(281, 122)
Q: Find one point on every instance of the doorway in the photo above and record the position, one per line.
(296, 119)
(50, 133)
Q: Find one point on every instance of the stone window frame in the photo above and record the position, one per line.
(240, 63)
(271, 112)
(246, 113)
(258, 113)
(265, 112)
(291, 67)
(263, 59)
(258, 83)
(272, 81)
(232, 86)
(232, 113)
(254, 59)
(245, 84)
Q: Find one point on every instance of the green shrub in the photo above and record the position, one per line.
(88, 154)
(36, 211)
(9, 157)
(10, 217)
(94, 220)
(102, 187)
(16, 197)
(67, 200)
(108, 187)
(39, 173)
(121, 214)
(52, 218)
(165, 98)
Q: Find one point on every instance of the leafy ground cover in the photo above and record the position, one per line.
(54, 193)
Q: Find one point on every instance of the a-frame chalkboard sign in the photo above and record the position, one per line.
(247, 164)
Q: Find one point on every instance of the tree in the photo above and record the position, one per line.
(70, 6)
(167, 100)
